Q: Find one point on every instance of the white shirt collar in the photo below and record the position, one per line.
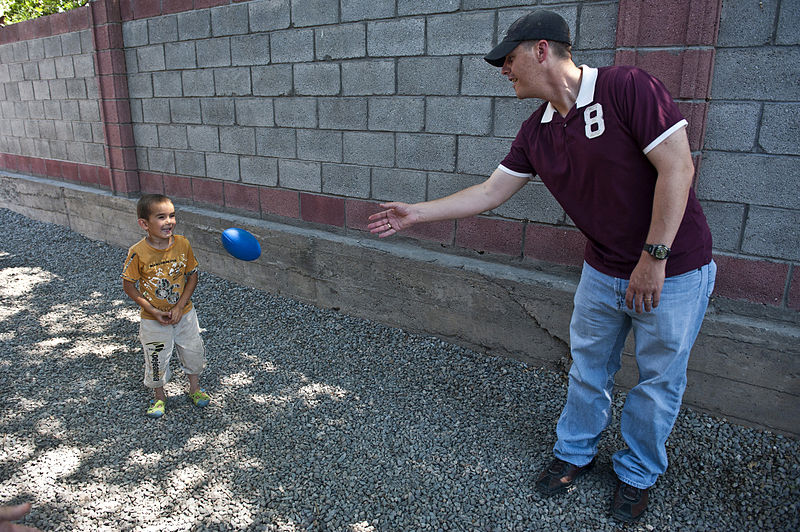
(585, 93)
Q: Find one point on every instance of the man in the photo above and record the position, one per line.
(611, 146)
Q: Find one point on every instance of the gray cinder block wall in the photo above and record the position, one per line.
(294, 118)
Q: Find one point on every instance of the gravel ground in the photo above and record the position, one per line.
(318, 421)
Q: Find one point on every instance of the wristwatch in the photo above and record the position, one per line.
(659, 251)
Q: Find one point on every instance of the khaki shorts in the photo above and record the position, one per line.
(158, 342)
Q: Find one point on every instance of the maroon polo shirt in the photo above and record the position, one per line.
(594, 162)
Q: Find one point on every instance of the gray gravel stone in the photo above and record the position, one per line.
(318, 421)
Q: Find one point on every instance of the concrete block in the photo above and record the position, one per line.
(83, 65)
(254, 112)
(52, 110)
(418, 151)
(222, 166)
(180, 55)
(490, 235)
(15, 69)
(198, 82)
(428, 75)
(374, 149)
(70, 43)
(185, 111)
(761, 73)
(534, 203)
(162, 29)
(64, 67)
(26, 90)
(250, 50)
(462, 33)
(272, 80)
(218, 111)
(76, 89)
(424, 7)
(172, 136)
(292, 46)
(319, 145)
(344, 41)
(394, 38)
(510, 113)
(392, 184)
(346, 180)
(193, 25)
(131, 63)
(788, 31)
(190, 163)
(726, 221)
(479, 78)
(70, 110)
(276, 142)
(41, 89)
(400, 113)
(241, 140)
(139, 85)
(95, 154)
(259, 170)
(598, 26)
(234, 81)
(468, 116)
(773, 233)
(361, 78)
(444, 184)
(203, 138)
(758, 281)
(134, 33)
(213, 52)
(52, 46)
(30, 71)
(36, 50)
(268, 15)
(75, 152)
(63, 130)
(146, 135)
(300, 175)
(481, 155)
(747, 178)
(296, 112)
(161, 160)
(746, 23)
(20, 50)
(732, 126)
(315, 12)
(229, 20)
(316, 79)
(167, 84)
(780, 129)
(342, 113)
(149, 58)
(366, 9)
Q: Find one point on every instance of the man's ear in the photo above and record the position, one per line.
(542, 50)
(142, 223)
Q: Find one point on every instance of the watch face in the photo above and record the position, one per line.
(660, 252)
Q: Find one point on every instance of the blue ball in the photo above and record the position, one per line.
(241, 244)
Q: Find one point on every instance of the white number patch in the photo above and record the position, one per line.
(593, 118)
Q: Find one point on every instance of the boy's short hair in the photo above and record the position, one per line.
(145, 204)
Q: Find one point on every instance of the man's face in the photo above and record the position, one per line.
(524, 70)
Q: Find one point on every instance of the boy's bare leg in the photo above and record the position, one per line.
(160, 395)
(194, 383)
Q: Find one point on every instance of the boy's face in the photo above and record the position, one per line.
(161, 222)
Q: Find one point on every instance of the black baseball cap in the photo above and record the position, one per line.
(540, 24)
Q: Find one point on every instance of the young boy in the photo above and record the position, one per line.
(165, 269)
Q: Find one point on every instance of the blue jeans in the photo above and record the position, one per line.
(664, 337)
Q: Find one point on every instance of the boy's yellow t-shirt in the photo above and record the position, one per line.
(161, 273)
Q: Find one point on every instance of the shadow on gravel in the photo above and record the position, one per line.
(318, 421)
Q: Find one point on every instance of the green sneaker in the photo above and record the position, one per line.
(156, 409)
(200, 398)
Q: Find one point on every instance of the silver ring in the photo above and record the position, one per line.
(389, 224)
